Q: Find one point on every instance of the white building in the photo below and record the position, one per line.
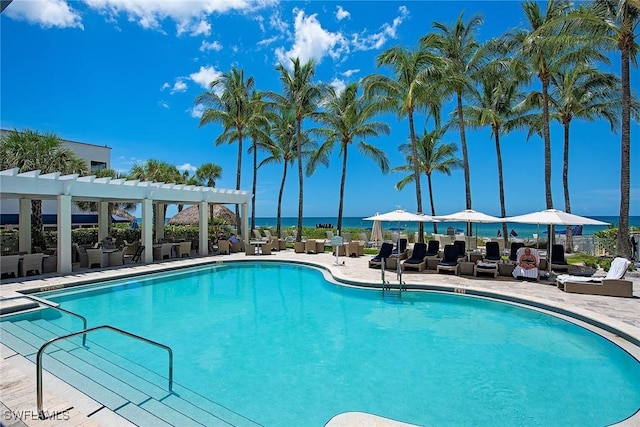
(97, 157)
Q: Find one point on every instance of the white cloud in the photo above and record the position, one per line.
(387, 31)
(350, 73)
(197, 111)
(163, 104)
(311, 41)
(267, 42)
(165, 86)
(214, 45)
(179, 86)
(338, 85)
(189, 16)
(47, 14)
(277, 23)
(341, 14)
(205, 76)
(187, 167)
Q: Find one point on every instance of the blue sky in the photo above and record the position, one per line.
(125, 74)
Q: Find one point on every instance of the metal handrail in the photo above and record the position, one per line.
(86, 331)
(51, 305)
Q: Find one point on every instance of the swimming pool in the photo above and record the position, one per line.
(282, 346)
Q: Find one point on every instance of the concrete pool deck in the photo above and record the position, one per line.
(17, 384)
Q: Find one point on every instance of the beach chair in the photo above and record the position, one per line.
(433, 248)
(558, 263)
(383, 254)
(513, 254)
(462, 248)
(401, 250)
(524, 273)
(492, 252)
(138, 255)
(449, 261)
(224, 247)
(310, 246)
(613, 284)
(417, 260)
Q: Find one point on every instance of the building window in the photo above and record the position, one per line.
(96, 166)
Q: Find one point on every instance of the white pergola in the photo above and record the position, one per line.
(72, 188)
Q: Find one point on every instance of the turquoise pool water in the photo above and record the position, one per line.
(283, 347)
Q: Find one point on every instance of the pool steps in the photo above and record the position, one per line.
(134, 392)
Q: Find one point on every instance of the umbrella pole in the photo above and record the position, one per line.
(551, 239)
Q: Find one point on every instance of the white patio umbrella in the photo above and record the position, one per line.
(553, 217)
(470, 216)
(400, 215)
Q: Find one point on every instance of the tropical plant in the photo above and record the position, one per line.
(302, 95)
(227, 104)
(616, 24)
(30, 150)
(207, 174)
(112, 206)
(433, 156)
(348, 119)
(156, 171)
(547, 46)
(457, 45)
(283, 130)
(492, 104)
(411, 90)
(581, 92)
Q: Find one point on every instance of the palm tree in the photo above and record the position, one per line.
(582, 92)
(113, 206)
(433, 156)
(493, 104)
(616, 24)
(207, 174)
(29, 150)
(258, 127)
(301, 94)
(283, 129)
(457, 44)
(229, 108)
(548, 46)
(411, 91)
(156, 171)
(347, 117)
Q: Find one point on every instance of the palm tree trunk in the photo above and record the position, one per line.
(300, 179)
(547, 141)
(623, 246)
(37, 226)
(565, 184)
(433, 208)
(465, 159)
(253, 185)
(280, 193)
(238, 175)
(416, 174)
(503, 209)
(342, 181)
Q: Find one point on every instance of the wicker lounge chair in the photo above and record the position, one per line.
(524, 273)
(558, 263)
(449, 261)
(9, 264)
(417, 260)
(383, 254)
(612, 284)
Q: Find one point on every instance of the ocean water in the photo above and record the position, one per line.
(524, 231)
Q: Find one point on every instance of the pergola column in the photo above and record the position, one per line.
(203, 223)
(244, 217)
(24, 224)
(147, 229)
(159, 221)
(103, 220)
(64, 234)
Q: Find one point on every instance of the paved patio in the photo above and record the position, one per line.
(618, 316)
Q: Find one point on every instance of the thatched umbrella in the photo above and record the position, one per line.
(191, 215)
(123, 214)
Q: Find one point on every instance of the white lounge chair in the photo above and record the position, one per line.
(610, 285)
(31, 263)
(524, 273)
(9, 264)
